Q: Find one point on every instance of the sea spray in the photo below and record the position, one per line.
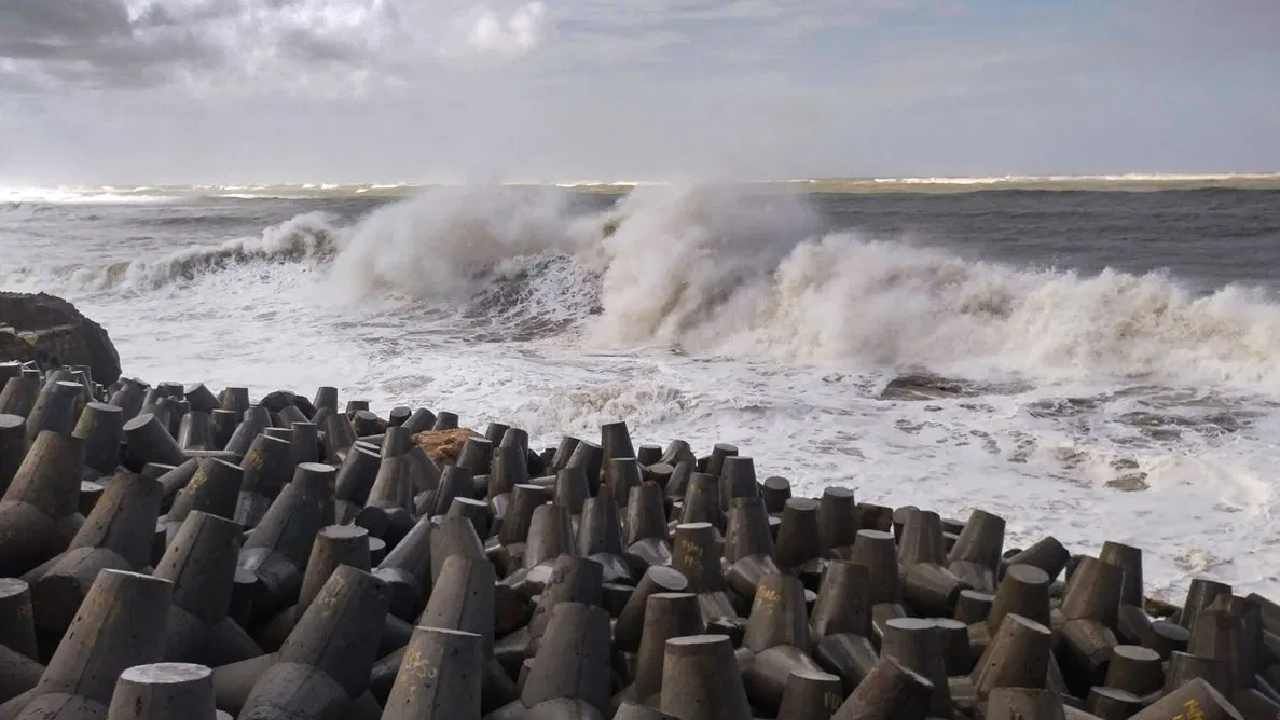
(738, 272)
(446, 243)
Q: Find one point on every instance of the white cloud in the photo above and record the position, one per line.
(487, 32)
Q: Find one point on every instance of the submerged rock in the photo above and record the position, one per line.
(52, 332)
(926, 386)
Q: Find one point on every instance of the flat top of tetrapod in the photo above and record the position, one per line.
(11, 421)
(138, 421)
(103, 407)
(911, 623)
(1115, 693)
(1138, 653)
(1027, 574)
(157, 673)
(668, 577)
(696, 640)
(316, 467)
(815, 675)
(1026, 621)
(443, 631)
(12, 587)
(343, 532)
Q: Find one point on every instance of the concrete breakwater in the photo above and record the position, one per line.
(170, 551)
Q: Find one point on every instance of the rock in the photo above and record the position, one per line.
(925, 386)
(52, 332)
(277, 400)
(444, 446)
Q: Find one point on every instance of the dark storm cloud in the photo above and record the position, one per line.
(194, 90)
(95, 42)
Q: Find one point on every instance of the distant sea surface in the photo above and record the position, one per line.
(1113, 343)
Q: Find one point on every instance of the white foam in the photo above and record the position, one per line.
(726, 319)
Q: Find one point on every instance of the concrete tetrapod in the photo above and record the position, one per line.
(778, 615)
(889, 692)
(276, 551)
(875, 550)
(1048, 554)
(117, 535)
(1024, 704)
(324, 665)
(39, 512)
(1025, 591)
(667, 615)
(629, 628)
(975, 557)
(406, 570)
(267, 467)
(201, 563)
(844, 601)
(1195, 699)
(811, 696)
(57, 408)
(18, 675)
(256, 419)
(101, 427)
(836, 525)
(18, 396)
(1017, 657)
(439, 677)
(163, 691)
(120, 624)
(700, 680)
(916, 645)
(17, 626)
(463, 601)
(149, 441)
(334, 546)
(13, 447)
(600, 536)
(572, 659)
(799, 539)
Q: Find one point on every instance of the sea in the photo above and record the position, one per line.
(1101, 355)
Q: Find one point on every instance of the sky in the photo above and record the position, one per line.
(266, 91)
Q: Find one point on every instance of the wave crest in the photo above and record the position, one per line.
(750, 274)
(307, 237)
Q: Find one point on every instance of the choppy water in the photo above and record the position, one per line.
(1122, 348)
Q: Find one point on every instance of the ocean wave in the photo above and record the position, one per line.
(721, 271)
(747, 279)
(307, 237)
(732, 272)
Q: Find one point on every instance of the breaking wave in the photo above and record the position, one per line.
(716, 270)
(309, 237)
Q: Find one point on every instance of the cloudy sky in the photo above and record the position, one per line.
(151, 91)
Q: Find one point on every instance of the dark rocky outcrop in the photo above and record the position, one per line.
(52, 332)
(925, 386)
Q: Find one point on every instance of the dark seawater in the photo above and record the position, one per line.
(1207, 238)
